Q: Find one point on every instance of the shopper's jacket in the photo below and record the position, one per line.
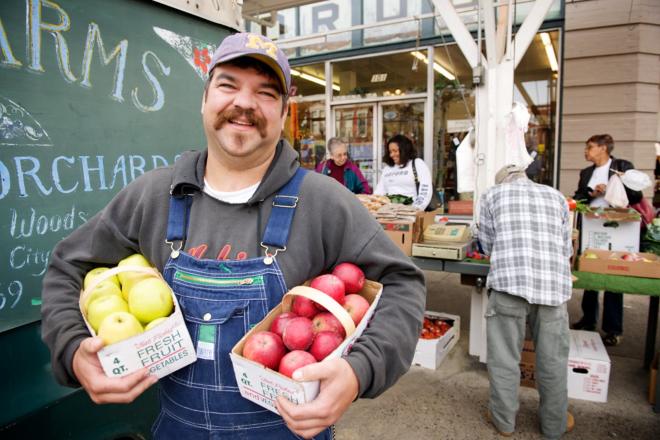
(330, 226)
(353, 178)
(583, 189)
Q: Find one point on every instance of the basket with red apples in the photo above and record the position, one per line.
(315, 321)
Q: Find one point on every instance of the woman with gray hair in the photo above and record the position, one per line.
(340, 168)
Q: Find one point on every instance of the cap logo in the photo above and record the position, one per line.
(256, 42)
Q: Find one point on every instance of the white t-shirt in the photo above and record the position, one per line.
(400, 180)
(600, 175)
(233, 197)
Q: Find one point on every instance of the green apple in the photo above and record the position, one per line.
(129, 279)
(118, 326)
(150, 299)
(591, 256)
(154, 323)
(104, 306)
(96, 272)
(104, 288)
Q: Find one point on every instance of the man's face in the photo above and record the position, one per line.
(339, 154)
(242, 113)
(593, 152)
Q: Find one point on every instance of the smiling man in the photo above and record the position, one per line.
(242, 208)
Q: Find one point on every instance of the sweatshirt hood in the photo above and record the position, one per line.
(188, 177)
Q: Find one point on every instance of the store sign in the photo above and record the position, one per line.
(378, 77)
(342, 14)
(458, 125)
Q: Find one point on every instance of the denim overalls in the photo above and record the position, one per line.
(221, 301)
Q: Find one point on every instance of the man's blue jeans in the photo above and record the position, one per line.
(507, 316)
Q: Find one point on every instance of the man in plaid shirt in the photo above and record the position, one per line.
(524, 227)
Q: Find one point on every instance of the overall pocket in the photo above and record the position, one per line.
(218, 311)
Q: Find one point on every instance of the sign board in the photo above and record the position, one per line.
(94, 94)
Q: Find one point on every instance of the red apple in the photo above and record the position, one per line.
(351, 275)
(331, 286)
(326, 321)
(356, 306)
(304, 307)
(298, 333)
(280, 321)
(265, 348)
(325, 343)
(294, 360)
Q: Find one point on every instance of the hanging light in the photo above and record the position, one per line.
(313, 79)
(437, 67)
(549, 51)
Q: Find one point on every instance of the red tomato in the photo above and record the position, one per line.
(572, 204)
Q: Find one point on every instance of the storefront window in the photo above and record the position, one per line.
(305, 127)
(453, 114)
(396, 74)
(535, 86)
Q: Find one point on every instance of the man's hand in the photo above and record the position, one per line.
(104, 389)
(339, 387)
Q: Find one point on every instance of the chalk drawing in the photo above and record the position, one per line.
(19, 128)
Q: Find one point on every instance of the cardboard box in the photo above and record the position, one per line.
(528, 364)
(653, 379)
(430, 353)
(262, 385)
(424, 220)
(611, 263)
(614, 229)
(402, 233)
(588, 367)
(163, 349)
(446, 251)
(460, 207)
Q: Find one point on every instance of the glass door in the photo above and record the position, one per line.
(355, 125)
(403, 117)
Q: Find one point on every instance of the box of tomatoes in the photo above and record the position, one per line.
(440, 332)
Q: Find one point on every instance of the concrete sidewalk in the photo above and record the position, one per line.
(450, 403)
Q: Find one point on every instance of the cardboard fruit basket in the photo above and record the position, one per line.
(262, 385)
(163, 349)
(611, 263)
(429, 353)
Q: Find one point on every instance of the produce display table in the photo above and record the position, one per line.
(630, 285)
(585, 280)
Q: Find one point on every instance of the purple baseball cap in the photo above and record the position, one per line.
(255, 46)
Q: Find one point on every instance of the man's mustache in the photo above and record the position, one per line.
(237, 113)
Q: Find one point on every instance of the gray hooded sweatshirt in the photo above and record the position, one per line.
(330, 226)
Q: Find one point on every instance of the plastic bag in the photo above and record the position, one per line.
(615, 194)
(516, 125)
(465, 165)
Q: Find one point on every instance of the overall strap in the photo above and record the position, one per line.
(284, 207)
(177, 220)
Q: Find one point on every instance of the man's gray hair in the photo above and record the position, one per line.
(508, 173)
(332, 142)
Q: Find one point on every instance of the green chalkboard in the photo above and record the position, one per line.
(93, 93)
